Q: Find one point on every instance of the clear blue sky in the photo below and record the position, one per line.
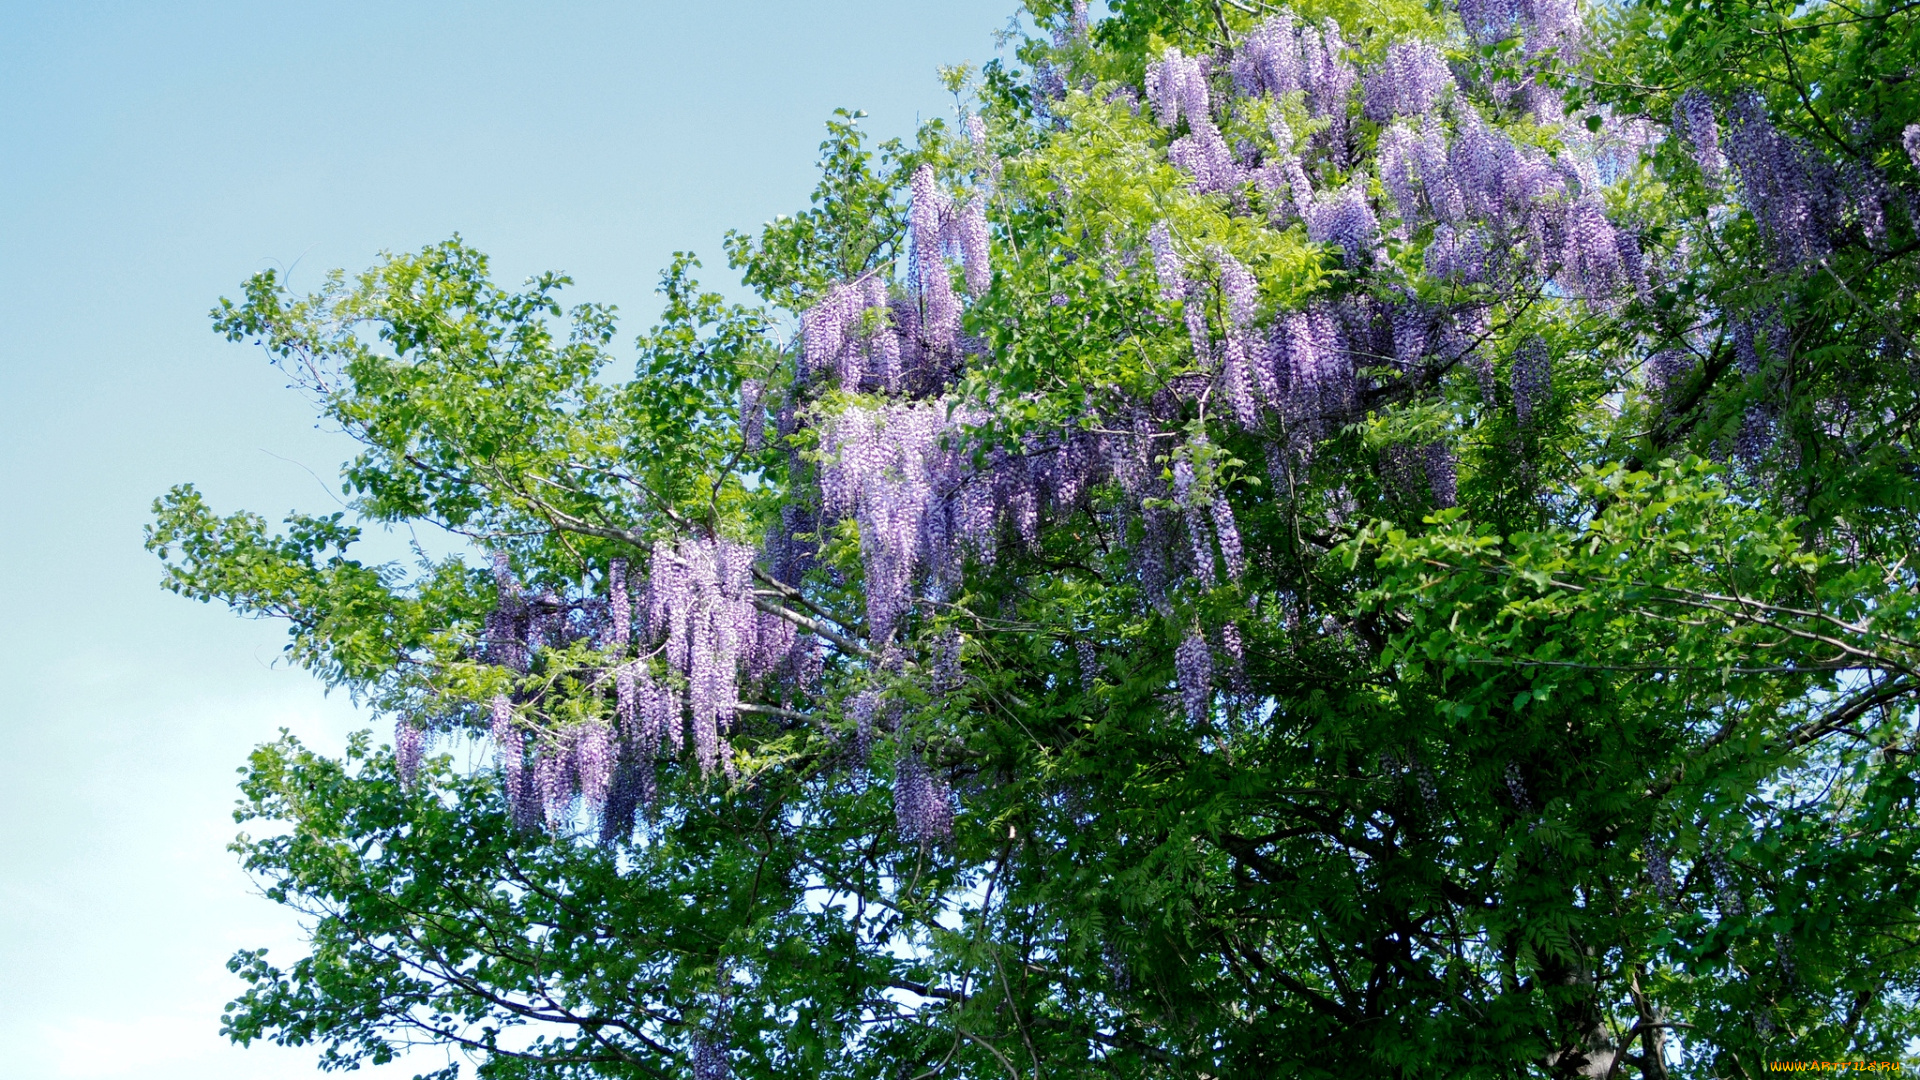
(151, 157)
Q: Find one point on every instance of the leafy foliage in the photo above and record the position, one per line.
(1358, 625)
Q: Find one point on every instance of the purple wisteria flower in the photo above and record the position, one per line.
(1778, 182)
(711, 1060)
(409, 743)
(753, 415)
(593, 761)
(1693, 120)
(928, 232)
(1193, 670)
(1344, 219)
(1436, 458)
(922, 802)
(1088, 655)
(1409, 82)
(619, 605)
(1517, 788)
(1532, 379)
(1168, 266)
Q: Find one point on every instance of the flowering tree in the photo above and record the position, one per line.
(1283, 541)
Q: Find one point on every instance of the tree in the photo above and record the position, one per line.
(1287, 540)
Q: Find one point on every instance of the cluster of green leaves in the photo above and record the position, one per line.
(1417, 835)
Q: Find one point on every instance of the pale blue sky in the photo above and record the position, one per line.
(151, 157)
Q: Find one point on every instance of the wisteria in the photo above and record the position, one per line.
(553, 781)
(1517, 788)
(1168, 266)
(711, 1060)
(1532, 379)
(1660, 873)
(1437, 459)
(1234, 647)
(753, 414)
(510, 745)
(1780, 184)
(1281, 56)
(1726, 887)
(1088, 655)
(1544, 24)
(1193, 670)
(408, 745)
(1177, 86)
(1309, 369)
(619, 606)
(1409, 82)
(1345, 220)
(702, 597)
(922, 801)
(1227, 531)
(930, 230)
(1693, 120)
(508, 623)
(930, 491)
(1667, 372)
(1424, 781)
(853, 337)
(593, 761)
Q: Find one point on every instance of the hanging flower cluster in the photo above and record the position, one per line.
(674, 671)
(928, 487)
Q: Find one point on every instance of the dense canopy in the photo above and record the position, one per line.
(1280, 541)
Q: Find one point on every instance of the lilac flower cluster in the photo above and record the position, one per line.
(922, 801)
